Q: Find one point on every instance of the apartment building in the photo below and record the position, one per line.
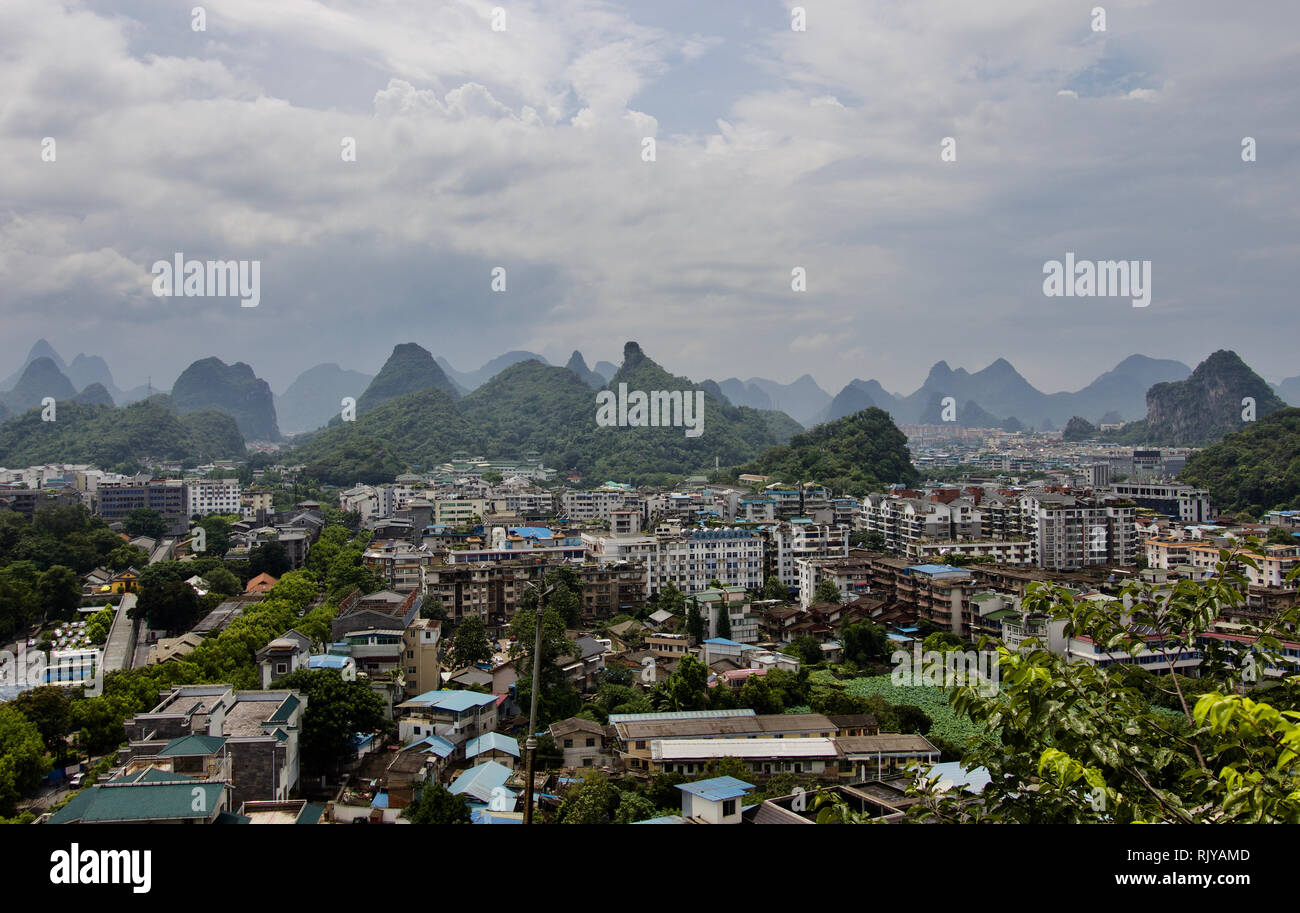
(213, 496)
(849, 574)
(798, 540)
(421, 656)
(400, 564)
(1184, 503)
(168, 497)
(597, 504)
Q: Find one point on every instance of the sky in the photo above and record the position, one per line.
(775, 149)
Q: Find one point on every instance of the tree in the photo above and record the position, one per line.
(557, 699)
(22, 757)
(100, 623)
(217, 531)
(144, 522)
(172, 606)
(687, 688)
(224, 582)
(268, 558)
(827, 591)
(806, 647)
(864, 643)
(438, 806)
(869, 539)
(773, 588)
(59, 592)
(695, 627)
(434, 609)
(724, 621)
(1279, 535)
(595, 801)
(756, 693)
(912, 719)
(48, 707)
(470, 645)
(1078, 742)
(336, 710)
(726, 767)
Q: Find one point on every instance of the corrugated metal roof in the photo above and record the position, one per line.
(717, 789)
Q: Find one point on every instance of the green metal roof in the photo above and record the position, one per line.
(191, 746)
(141, 802)
(285, 710)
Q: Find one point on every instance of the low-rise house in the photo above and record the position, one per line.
(485, 785)
(763, 756)
(493, 746)
(714, 801)
(155, 797)
(873, 757)
(584, 743)
(283, 655)
(456, 716)
(260, 729)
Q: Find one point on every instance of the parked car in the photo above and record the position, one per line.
(76, 781)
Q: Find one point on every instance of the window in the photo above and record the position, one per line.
(568, 743)
(729, 808)
(591, 743)
(281, 668)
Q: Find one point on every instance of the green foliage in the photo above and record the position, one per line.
(595, 801)
(144, 522)
(22, 757)
(863, 643)
(48, 707)
(869, 539)
(557, 699)
(1083, 743)
(171, 606)
(827, 591)
(773, 588)
(685, 689)
(97, 627)
(105, 436)
(471, 643)
(857, 454)
(1256, 469)
(438, 806)
(336, 710)
(806, 648)
(531, 406)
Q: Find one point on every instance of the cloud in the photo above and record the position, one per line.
(523, 149)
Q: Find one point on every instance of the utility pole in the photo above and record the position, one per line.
(530, 745)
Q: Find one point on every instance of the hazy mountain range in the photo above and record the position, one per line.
(996, 395)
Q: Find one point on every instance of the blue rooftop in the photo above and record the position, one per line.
(532, 532)
(492, 741)
(724, 642)
(481, 782)
(432, 744)
(717, 789)
(935, 569)
(326, 661)
(455, 701)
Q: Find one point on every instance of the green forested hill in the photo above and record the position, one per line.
(531, 406)
(105, 436)
(1256, 469)
(861, 452)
